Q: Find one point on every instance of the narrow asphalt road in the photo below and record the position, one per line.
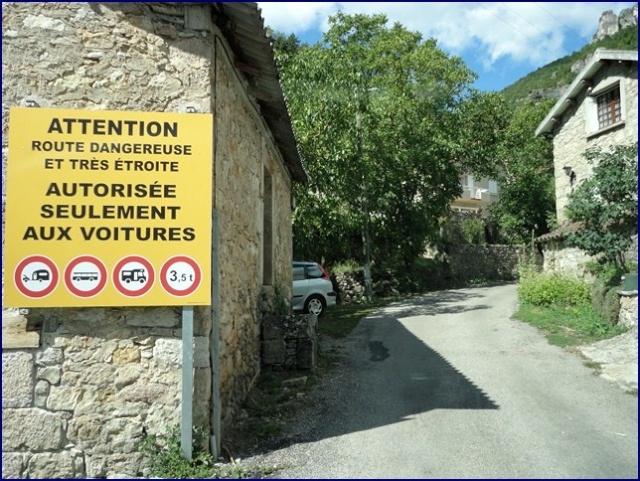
(447, 386)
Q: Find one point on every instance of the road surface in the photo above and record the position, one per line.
(447, 386)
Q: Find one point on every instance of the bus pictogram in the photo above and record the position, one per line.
(85, 276)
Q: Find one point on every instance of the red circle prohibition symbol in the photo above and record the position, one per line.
(40, 275)
(99, 274)
(190, 284)
(136, 276)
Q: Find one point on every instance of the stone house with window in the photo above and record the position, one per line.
(82, 386)
(599, 109)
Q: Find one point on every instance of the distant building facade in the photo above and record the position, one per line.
(477, 195)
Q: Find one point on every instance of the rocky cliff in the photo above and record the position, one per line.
(550, 82)
(610, 23)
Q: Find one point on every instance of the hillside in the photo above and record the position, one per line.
(551, 80)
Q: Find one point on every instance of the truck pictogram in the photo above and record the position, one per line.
(133, 275)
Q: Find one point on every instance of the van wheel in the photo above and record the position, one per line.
(315, 305)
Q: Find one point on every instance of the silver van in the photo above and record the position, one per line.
(312, 288)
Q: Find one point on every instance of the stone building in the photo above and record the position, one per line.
(599, 109)
(82, 386)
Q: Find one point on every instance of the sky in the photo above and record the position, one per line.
(500, 41)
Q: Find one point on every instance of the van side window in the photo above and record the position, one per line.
(298, 273)
(314, 272)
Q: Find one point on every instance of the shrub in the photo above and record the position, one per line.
(598, 292)
(604, 293)
(473, 231)
(527, 266)
(606, 273)
(546, 290)
(165, 457)
(611, 306)
(345, 267)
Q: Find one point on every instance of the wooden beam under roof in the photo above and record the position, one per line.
(246, 68)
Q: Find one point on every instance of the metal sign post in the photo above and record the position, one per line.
(186, 426)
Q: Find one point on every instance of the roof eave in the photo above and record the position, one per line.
(256, 58)
(580, 83)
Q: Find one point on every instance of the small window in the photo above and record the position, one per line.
(314, 272)
(298, 273)
(493, 187)
(609, 107)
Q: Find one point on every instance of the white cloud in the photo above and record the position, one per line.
(295, 17)
(532, 32)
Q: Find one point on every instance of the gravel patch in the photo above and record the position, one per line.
(300, 417)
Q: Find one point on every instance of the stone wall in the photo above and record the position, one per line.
(290, 342)
(243, 154)
(628, 309)
(461, 265)
(573, 137)
(571, 261)
(489, 263)
(102, 378)
(566, 261)
(77, 405)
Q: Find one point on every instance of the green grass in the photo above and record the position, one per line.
(568, 325)
(338, 321)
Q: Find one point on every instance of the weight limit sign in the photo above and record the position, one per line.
(180, 276)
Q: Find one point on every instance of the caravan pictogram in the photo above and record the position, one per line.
(36, 276)
(133, 276)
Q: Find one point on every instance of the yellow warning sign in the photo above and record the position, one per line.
(108, 208)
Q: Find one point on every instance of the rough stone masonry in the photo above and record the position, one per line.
(98, 380)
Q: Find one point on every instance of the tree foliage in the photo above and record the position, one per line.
(525, 174)
(503, 147)
(607, 203)
(377, 112)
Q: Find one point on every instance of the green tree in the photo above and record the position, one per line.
(498, 142)
(503, 147)
(376, 111)
(525, 174)
(284, 46)
(607, 204)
